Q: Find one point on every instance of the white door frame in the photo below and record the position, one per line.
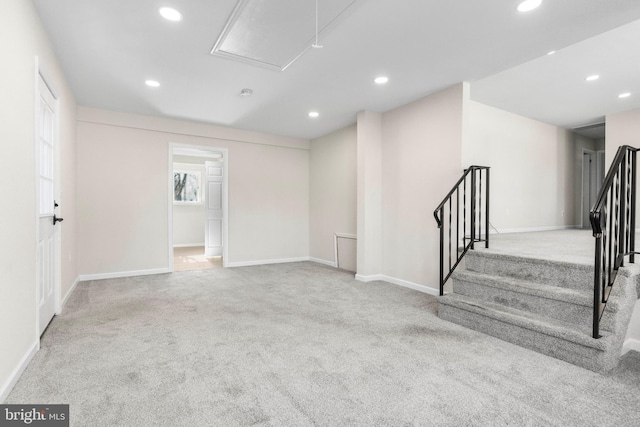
(583, 203)
(42, 74)
(225, 197)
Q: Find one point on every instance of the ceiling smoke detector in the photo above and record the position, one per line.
(246, 92)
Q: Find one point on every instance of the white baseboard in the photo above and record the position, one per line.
(188, 245)
(18, 370)
(394, 281)
(631, 344)
(117, 275)
(371, 278)
(265, 261)
(322, 261)
(533, 229)
(412, 285)
(71, 289)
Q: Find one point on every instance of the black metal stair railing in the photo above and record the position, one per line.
(613, 221)
(466, 199)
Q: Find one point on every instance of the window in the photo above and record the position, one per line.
(187, 186)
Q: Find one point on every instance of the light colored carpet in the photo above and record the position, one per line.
(300, 345)
(571, 245)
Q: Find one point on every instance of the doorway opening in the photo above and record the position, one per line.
(198, 206)
(187, 258)
(593, 171)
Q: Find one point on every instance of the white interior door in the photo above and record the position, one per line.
(214, 212)
(47, 230)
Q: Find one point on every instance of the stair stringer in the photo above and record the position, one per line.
(624, 294)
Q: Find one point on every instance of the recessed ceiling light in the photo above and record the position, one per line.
(314, 114)
(624, 95)
(551, 52)
(152, 83)
(381, 80)
(529, 5)
(170, 14)
(592, 78)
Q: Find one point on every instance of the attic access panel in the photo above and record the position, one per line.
(274, 33)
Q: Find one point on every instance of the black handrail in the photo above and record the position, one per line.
(613, 221)
(474, 199)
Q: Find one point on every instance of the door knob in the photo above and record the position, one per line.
(56, 219)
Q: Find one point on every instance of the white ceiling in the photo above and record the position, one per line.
(257, 34)
(555, 88)
(108, 48)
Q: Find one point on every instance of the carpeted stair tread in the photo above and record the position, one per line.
(557, 293)
(541, 303)
(551, 327)
(574, 296)
(532, 269)
(537, 258)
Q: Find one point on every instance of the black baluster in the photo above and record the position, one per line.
(457, 222)
(449, 233)
(441, 252)
(480, 206)
(464, 213)
(632, 213)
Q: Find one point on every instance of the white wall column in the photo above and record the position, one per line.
(369, 148)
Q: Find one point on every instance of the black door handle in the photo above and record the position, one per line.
(56, 219)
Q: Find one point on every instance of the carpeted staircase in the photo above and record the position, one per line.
(542, 305)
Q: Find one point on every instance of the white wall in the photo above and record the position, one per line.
(188, 218)
(421, 160)
(22, 38)
(624, 129)
(533, 168)
(332, 191)
(123, 191)
(425, 147)
(188, 225)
